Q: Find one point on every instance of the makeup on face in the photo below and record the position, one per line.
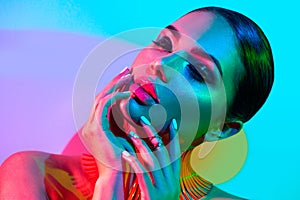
(185, 66)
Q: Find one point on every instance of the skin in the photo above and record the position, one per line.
(194, 42)
(163, 65)
(199, 35)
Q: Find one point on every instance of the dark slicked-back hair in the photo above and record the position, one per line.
(254, 86)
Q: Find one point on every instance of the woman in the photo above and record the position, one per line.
(207, 74)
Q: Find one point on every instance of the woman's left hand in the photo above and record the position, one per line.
(158, 172)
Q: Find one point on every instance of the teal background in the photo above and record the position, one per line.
(272, 167)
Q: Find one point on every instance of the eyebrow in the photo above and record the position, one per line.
(176, 33)
(174, 30)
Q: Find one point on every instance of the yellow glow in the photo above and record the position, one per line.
(219, 161)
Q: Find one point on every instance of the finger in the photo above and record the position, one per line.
(102, 111)
(119, 84)
(161, 152)
(174, 148)
(143, 177)
(149, 158)
(150, 131)
(122, 73)
(116, 83)
(99, 129)
(127, 146)
(130, 125)
(142, 147)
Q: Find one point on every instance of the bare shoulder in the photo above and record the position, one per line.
(218, 194)
(22, 175)
(24, 159)
(23, 163)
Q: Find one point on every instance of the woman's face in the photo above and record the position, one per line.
(187, 73)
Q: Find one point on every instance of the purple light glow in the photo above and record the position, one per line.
(37, 72)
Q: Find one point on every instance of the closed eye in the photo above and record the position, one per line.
(199, 73)
(165, 43)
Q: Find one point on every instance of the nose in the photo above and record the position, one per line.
(156, 69)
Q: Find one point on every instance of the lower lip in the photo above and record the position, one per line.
(143, 97)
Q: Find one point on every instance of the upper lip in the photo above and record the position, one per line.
(144, 92)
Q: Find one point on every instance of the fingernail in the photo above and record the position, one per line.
(174, 123)
(133, 135)
(127, 93)
(145, 120)
(125, 76)
(126, 154)
(124, 70)
(123, 95)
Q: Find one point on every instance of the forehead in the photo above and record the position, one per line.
(211, 32)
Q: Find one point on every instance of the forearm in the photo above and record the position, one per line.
(109, 186)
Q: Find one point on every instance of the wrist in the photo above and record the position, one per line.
(109, 185)
(105, 170)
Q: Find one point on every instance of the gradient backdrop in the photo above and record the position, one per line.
(43, 43)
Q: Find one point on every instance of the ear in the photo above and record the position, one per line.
(229, 129)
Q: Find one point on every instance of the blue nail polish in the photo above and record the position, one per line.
(145, 120)
(126, 154)
(125, 76)
(133, 135)
(174, 122)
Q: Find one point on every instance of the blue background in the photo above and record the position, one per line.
(28, 28)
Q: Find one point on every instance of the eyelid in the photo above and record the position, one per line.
(207, 59)
(203, 69)
(204, 61)
(164, 37)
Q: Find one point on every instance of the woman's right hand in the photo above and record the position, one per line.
(103, 144)
(96, 133)
(98, 137)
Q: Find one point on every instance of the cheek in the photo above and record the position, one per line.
(218, 105)
(197, 123)
(144, 57)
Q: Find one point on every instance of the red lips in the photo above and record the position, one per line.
(150, 89)
(144, 94)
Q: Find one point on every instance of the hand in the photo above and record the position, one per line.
(96, 133)
(103, 144)
(118, 83)
(162, 182)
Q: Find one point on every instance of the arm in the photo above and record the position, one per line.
(103, 144)
(109, 186)
(106, 148)
(109, 150)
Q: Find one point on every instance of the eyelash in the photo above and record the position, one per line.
(194, 71)
(165, 43)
